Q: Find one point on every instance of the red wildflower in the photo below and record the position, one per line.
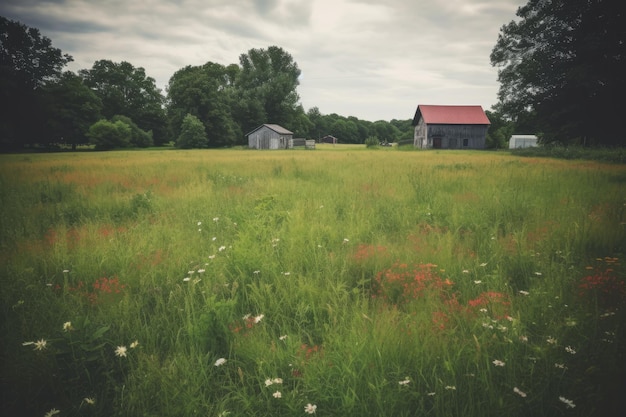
(604, 287)
(497, 303)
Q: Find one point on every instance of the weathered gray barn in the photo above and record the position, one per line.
(450, 127)
(269, 136)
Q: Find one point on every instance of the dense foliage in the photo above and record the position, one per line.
(51, 108)
(128, 91)
(106, 134)
(561, 69)
(192, 134)
(28, 61)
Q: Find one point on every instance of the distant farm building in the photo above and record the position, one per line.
(450, 127)
(269, 136)
(522, 141)
(329, 139)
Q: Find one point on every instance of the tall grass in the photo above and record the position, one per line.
(362, 282)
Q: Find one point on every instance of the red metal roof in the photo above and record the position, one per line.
(451, 115)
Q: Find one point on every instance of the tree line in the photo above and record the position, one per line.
(116, 105)
(560, 68)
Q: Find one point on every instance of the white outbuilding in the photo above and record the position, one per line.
(522, 141)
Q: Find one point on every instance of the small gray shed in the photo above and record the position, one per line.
(269, 136)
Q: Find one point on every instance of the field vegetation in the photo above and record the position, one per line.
(342, 281)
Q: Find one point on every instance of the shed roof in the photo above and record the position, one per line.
(276, 128)
(451, 115)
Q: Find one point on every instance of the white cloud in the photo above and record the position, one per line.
(365, 58)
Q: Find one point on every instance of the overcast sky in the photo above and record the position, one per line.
(376, 60)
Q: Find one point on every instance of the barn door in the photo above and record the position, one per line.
(437, 142)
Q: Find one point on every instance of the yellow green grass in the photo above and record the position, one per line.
(364, 282)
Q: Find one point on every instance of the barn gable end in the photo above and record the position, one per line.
(450, 127)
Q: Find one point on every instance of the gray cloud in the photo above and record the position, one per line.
(366, 58)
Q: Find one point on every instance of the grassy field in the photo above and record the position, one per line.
(337, 282)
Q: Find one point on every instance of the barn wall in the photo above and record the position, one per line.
(419, 135)
(266, 138)
(450, 136)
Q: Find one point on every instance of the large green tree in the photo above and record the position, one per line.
(128, 91)
(206, 93)
(561, 66)
(267, 89)
(27, 62)
(71, 108)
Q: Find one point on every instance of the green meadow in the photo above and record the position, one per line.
(341, 281)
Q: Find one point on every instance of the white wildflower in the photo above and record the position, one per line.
(120, 351)
(39, 345)
(406, 381)
(220, 362)
(570, 350)
(277, 394)
(518, 392)
(497, 362)
(67, 326)
(258, 318)
(568, 403)
(310, 408)
(52, 412)
(270, 381)
(134, 344)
